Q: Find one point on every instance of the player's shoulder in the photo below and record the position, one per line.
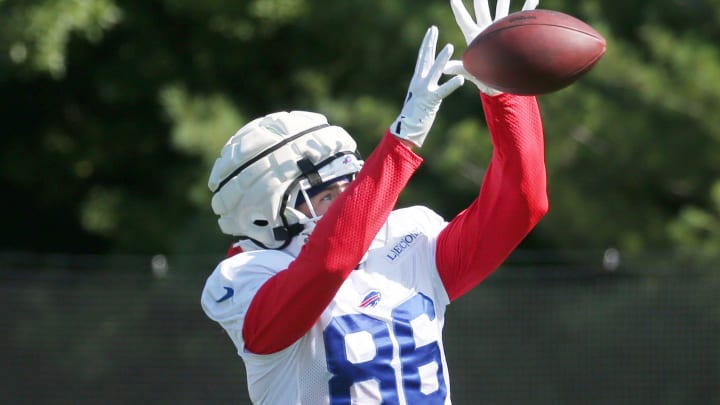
(249, 268)
(231, 286)
(267, 261)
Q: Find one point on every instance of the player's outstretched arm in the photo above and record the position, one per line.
(513, 196)
(512, 199)
(289, 303)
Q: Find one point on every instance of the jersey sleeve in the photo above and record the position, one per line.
(287, 305)
(230, 288)
(512, 198)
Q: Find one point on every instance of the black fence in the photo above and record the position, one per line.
(547, 328)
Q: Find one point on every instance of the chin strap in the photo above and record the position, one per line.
(296, 243)
(286, 233)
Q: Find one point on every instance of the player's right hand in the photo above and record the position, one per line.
(425, 93)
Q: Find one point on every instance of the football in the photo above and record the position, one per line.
(534, 52)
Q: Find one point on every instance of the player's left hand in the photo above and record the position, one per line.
(473, 27)
(425, 93)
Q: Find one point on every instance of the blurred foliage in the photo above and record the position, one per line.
(113, 113)
(696, 230)
(38, 32)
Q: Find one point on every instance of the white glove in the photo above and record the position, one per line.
(424, 94)
(471, 29)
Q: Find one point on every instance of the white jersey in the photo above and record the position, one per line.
(378, 341)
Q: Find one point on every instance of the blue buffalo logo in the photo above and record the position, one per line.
(371, 299)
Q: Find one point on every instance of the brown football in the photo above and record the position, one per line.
(534, 52)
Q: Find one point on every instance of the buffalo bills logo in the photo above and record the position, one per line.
(370, 300)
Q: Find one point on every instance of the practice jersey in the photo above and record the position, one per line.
(379, 340)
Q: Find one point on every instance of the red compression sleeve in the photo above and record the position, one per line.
(290, 302)
(512, 199)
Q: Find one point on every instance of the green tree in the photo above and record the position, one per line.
(114, 112)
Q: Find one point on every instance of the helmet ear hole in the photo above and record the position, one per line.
(261, 222)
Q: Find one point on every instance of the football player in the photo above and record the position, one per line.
(335, 297)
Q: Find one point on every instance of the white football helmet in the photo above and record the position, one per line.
(262, 168)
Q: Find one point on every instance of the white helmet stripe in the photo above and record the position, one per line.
(265, 153)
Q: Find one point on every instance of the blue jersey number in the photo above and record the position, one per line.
(346, 373)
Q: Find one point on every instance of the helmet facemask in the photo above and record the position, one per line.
(342, 165)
